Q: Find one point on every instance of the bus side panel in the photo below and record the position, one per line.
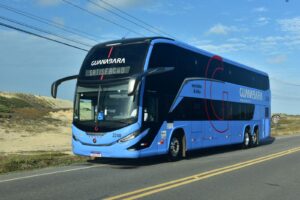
(161, 142)
(197, 134)
(236, 132)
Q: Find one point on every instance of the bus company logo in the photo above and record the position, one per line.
(108, 61)
(251, 94)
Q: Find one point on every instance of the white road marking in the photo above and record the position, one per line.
(50, 173)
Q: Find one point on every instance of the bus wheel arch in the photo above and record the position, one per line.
(177, 145)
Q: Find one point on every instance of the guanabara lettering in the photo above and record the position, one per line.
(251, 94)
(108, 61)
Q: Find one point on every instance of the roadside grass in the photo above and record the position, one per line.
(36, 160)
(9, 104)
(30, 113)
(288, 125)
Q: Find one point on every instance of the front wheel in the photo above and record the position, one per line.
(175, 148)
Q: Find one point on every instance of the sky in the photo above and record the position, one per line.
(263, 34)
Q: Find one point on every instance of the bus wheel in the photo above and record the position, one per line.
(255, 138)
(247, 139)
(175, 148)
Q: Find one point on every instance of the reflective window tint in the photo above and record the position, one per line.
(191, 64)
(203, 109)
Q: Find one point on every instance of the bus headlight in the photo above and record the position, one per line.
(130, 136)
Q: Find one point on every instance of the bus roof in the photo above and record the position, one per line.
(178, 43)
(132, 40)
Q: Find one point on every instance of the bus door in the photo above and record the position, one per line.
(266, 124)
(155, 111)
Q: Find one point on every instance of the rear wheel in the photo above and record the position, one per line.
(175, 148)
(255, 138)
(247, 137)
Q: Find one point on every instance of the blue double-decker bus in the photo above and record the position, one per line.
(150, 96)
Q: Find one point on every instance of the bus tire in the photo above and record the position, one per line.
(255, 138)
(247, 138)
(175, 148)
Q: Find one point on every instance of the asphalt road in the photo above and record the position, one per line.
(270, 171)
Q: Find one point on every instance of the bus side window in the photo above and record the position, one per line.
(266, 112)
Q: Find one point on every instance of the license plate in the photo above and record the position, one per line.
(96, 154)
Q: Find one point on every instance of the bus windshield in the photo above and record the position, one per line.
(105, 106)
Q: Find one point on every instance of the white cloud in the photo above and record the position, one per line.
(277, 59)
(220, 29)
(260, 9)
(170, 8)
(157, 7)
(263, 21)
(270, 45)
(234, 40)
(124, 3)
(223, 48)
(231, 45)
(291, 25)
(48, 2)
(96, 6)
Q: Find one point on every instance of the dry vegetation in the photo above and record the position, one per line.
(33, 123)
(35, 131)
(288, 125)
(16, 162)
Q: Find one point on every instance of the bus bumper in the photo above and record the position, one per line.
(113, 151)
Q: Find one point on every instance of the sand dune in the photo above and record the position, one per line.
(30, 123)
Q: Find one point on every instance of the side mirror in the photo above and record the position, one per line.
(55, 85)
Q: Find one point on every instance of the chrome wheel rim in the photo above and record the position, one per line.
(254, 138)
(247, 139)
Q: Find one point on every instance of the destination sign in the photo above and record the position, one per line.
(107, 71)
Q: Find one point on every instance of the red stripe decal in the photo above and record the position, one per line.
(110, 51)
